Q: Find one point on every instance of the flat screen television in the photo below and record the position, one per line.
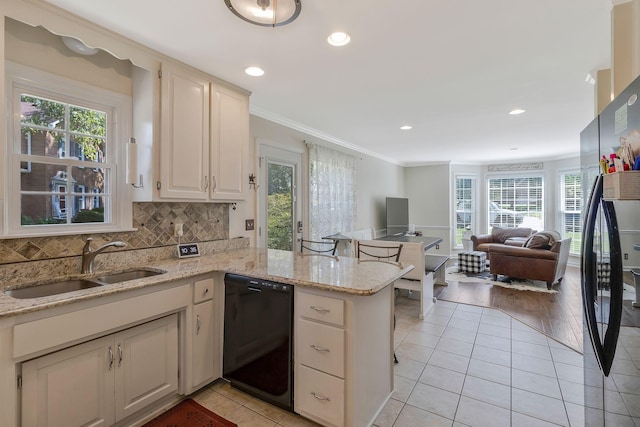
(397, 215)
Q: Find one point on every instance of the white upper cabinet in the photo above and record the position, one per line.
(204, 138)
(184, 135)
(229, 144)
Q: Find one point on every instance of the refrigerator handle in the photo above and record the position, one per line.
(615, 284)
(589, 277)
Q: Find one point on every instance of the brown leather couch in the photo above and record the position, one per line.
(501, 236)
(532, 263)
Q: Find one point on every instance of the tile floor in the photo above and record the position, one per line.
(462, 365)
(465, 365)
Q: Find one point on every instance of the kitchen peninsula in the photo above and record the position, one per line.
(37, 334)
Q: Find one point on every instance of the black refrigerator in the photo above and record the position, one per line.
(609, 271)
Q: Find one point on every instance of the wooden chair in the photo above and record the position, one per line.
(327, 247)
(380, 251)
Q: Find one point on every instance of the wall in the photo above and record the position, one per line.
(429, 191)
(376, 179)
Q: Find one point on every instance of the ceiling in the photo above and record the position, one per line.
(450, 69)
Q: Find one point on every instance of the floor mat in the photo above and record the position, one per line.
(188, 413)
(503, 281)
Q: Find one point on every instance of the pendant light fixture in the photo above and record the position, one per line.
(266, 13)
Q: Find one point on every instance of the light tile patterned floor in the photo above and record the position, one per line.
(472, 366)
(461, 366)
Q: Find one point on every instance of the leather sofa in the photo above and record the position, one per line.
(534, 262)
(501, 236)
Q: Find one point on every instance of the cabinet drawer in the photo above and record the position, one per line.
(321, 347)
(316, 307)
(202, 290)
(321, 396)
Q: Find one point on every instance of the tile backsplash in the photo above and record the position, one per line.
(202, 222)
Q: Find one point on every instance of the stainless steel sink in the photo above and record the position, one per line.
(51, 289)
(127, 275)
(64, 286)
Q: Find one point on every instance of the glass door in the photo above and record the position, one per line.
(280, 211)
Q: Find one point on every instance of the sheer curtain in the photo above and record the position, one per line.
(332, 192)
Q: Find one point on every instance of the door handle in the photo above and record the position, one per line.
(197, 324)
(206, 182)
(119, 355)
(110, 358)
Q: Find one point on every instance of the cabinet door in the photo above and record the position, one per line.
(146, 364)
(229, 144)
(184, 145)
(202, 356)
(72, 387)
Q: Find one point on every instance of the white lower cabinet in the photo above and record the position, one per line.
(320, 356)
(343, 356)
(321, 395)
(103, 381)
(203, 352)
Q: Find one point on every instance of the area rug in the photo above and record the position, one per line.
(503, 281)
(189, 413)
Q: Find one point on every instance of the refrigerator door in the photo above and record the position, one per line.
(611, 322)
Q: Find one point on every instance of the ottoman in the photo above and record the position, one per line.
(472, 261)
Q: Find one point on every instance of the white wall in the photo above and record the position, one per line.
(376, 179)
(429, 191)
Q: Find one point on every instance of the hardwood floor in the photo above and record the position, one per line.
(556, 315)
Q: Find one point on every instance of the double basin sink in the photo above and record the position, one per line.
(64, 286)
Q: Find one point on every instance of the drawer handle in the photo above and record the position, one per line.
(320, 309)
(324, 398)
(320, 349)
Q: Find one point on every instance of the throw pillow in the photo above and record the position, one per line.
(542, 240)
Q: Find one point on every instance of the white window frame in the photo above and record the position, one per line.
(575, 248)
(21, 79)
(474, 207)
(511, 175)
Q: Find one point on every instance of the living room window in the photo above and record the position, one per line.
(62, 172)
(571, 208)
(465, 203)
(516, 201)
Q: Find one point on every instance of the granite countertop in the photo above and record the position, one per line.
(331, 273)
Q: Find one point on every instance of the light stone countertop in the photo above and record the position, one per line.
(339, 274)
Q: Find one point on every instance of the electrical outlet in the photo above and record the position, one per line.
(626, 256)
(249, 224)
(177, 230)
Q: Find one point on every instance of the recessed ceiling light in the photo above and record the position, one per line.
(254, 71)
(338, 38)
(405, 127)
(516, 111)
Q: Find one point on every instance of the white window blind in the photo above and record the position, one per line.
(516, 202)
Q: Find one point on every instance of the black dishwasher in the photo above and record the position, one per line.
(258, 324)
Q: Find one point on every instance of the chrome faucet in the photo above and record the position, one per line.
(89, 254)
